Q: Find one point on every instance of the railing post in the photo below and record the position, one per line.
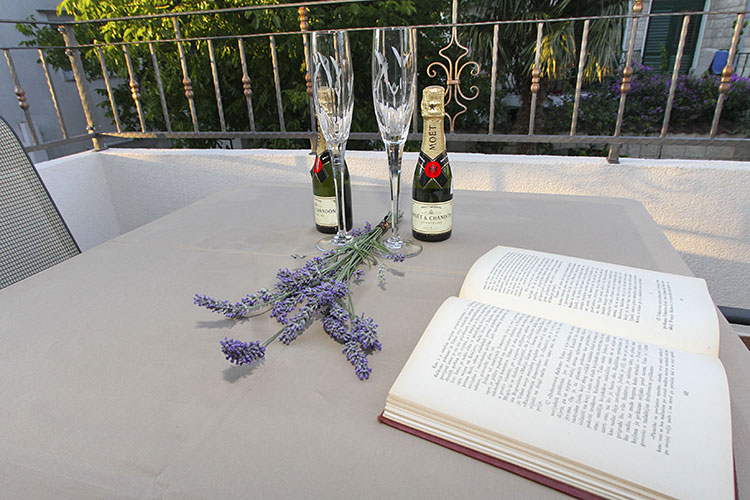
(217, 87)
(82, 84)
(247, 89)
(673, 81)
(162, 98)
(135, 89)
(493, 81)
(187, 83)
(276, 82)
(21, 96)
(53, 93)
(579, 77)
(105, 74)
(726, 75)
(627, 73)
(536, 74)
(303, 27)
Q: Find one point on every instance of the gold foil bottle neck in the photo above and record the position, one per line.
(321, 145)
(325, 98)
(433, 102)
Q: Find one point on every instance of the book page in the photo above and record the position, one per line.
(660, 308)
(642, 413)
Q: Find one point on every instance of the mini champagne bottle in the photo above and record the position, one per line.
(432, 190)
(324, 191)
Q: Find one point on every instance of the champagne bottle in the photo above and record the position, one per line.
(324, 190)
(432, 191)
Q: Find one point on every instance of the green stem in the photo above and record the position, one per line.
(351, 305)
(272, 337)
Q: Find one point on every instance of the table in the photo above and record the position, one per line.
(112, 384)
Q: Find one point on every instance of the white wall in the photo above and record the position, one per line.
(78, 185)
(702, 206)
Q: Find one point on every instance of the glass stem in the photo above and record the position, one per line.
(395, 152)
(337, 159)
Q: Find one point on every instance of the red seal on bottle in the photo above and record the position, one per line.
(317, 165)
(432, 169)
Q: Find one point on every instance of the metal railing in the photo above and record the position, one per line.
(453, 68)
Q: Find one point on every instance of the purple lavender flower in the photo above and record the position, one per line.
(241, 353)
(361, 367)
(338, 313)
(336, 329)
(335, 322)
(282, 307)
(358, 358)
(224, 307)
(326, 292)
(291, 332)
(358, 275)
(297, 324)
(395, 257)
(219, 306)
(230, 310)
(351, 349)
(320, 288)
(340, 289)
(365, 331)
(381, 275)
(356, 233)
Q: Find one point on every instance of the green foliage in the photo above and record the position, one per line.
(692, 111)
(229, 25)
(559, 45)
(515, 58)
(663, 59)
(197, 58)
(559, 48)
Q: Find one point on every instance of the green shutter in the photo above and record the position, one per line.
(665, 31)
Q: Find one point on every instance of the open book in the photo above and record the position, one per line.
(596, 379)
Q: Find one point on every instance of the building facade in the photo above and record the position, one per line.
(659, 36)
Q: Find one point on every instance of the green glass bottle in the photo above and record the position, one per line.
(324, 190)
(432, 190)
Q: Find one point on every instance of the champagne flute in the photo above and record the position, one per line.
(394, 81)
(333, 92)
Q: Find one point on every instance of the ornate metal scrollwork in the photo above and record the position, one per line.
(453, 70)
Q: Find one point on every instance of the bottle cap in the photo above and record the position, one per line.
(433, 105)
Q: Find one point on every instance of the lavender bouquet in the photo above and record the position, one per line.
(319, 289)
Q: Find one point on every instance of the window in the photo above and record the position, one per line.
(664, 31)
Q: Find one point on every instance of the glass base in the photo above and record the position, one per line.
(333, 242)
(400, 246)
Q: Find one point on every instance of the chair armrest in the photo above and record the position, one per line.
(736, 315)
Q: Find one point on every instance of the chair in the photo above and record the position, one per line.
(33, 234)
(736, 315)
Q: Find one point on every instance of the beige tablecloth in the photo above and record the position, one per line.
(112, 384)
